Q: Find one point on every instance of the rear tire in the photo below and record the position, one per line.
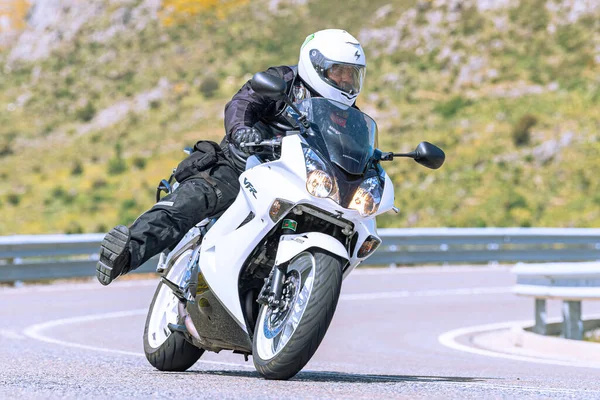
(286, 361)
(166, 350)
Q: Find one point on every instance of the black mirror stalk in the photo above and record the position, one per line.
(425, 154)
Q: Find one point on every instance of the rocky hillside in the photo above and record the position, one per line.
(99, 97)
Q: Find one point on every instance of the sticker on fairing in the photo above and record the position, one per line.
(289, 224)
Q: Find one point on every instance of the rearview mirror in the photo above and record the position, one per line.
(268, 85)
(429, 155)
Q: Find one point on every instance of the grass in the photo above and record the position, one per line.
(60, 177)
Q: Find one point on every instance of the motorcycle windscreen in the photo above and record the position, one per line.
(348, 134)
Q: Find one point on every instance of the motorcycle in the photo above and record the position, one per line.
(265, 277)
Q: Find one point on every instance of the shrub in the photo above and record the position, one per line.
(117, 165)
(209, 86)
(77, 168)
(58, 192)
(515, 200)
(97, 199)
(6, 150)
(13, 199)
(99, 183)
(86, 113)
(49, 128)
(521, 131)
(139, 162)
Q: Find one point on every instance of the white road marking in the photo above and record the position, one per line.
(11, 334)
(35, 332)
(449, 339)
(425, 293)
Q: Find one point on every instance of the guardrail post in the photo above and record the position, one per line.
(540, 317)
(572, 324)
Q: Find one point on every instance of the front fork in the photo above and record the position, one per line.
(272, 290)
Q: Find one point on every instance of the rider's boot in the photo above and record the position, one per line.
(115, 256)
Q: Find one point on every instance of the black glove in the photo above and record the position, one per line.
(246, 135)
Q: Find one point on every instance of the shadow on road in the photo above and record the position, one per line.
(342, 377)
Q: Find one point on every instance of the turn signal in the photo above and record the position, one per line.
(279, 208)
(368, 246)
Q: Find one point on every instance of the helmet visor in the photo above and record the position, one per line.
(346, 77)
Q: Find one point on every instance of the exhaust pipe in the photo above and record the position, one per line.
(187, 321)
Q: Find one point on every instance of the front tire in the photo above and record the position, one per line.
(284, 341)
(166, 350)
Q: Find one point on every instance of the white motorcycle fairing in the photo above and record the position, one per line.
(231, 240)
(292, 245)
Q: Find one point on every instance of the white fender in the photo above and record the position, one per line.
(292, 245)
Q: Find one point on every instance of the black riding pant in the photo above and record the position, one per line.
(174, 215)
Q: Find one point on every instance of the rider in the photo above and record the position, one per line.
(332, 65)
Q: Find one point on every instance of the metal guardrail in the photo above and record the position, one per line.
(487, 245)
(41, 257)
(569, 282)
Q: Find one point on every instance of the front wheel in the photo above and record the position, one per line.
(285, 340)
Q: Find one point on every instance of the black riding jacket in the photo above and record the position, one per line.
(249, 109)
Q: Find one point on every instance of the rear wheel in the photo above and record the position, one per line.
(285, 340)
(167, 350)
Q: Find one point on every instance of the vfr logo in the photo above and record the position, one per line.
(250, 188)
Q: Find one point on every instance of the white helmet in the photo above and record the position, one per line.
(333, 64)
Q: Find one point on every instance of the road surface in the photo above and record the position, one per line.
(84, 340)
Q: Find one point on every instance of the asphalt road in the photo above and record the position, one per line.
(85, 341)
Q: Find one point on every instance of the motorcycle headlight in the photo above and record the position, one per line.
(319, 181)
(367, 197)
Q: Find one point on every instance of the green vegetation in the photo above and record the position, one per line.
(209, 86)
(511, 95)
(521, 132)
(451, 107)
(85, 113)
(117, 164)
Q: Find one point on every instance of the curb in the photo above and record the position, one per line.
(518, 340)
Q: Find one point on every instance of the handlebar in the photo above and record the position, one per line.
(273, 143)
